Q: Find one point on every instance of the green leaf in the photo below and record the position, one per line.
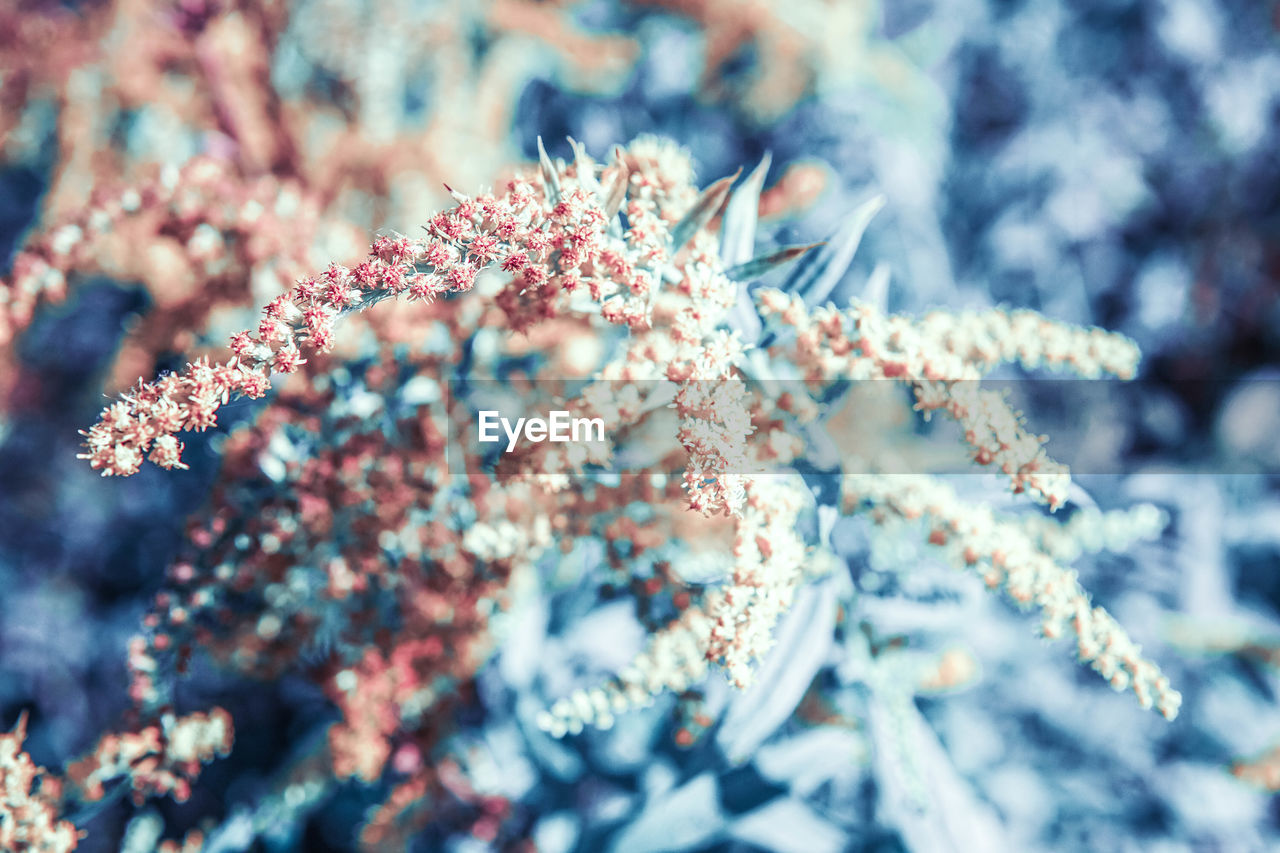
(585, 165)
(703, 210)
(820, 272)
(738, 235)
(757, 267)
(549, 174)
(617, 192)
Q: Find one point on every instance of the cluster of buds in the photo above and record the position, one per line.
(1005, 557)
(550, 239)
(30, 801)
(1090, 530)
(212, 240)
(1262, 771)
(159, 759)
(732, 625)
(144, 424)
(942, 357)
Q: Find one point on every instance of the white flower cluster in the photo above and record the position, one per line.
(732, 625)
(1091, 530)
(29, 821)
(942, 356)
(1005, 555)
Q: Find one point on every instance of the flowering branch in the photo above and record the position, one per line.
(942, 357)
(161, 758)
(1005, 556)
(513, 231)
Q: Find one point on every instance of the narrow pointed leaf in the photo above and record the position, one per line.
(549, 173)
(706, 207)
(821, 271)
(455, 195)
(738, 236)
(744, 317)
(585, 165)
(617, 192)
(804, 639)
(877, 291)
(757, 267)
